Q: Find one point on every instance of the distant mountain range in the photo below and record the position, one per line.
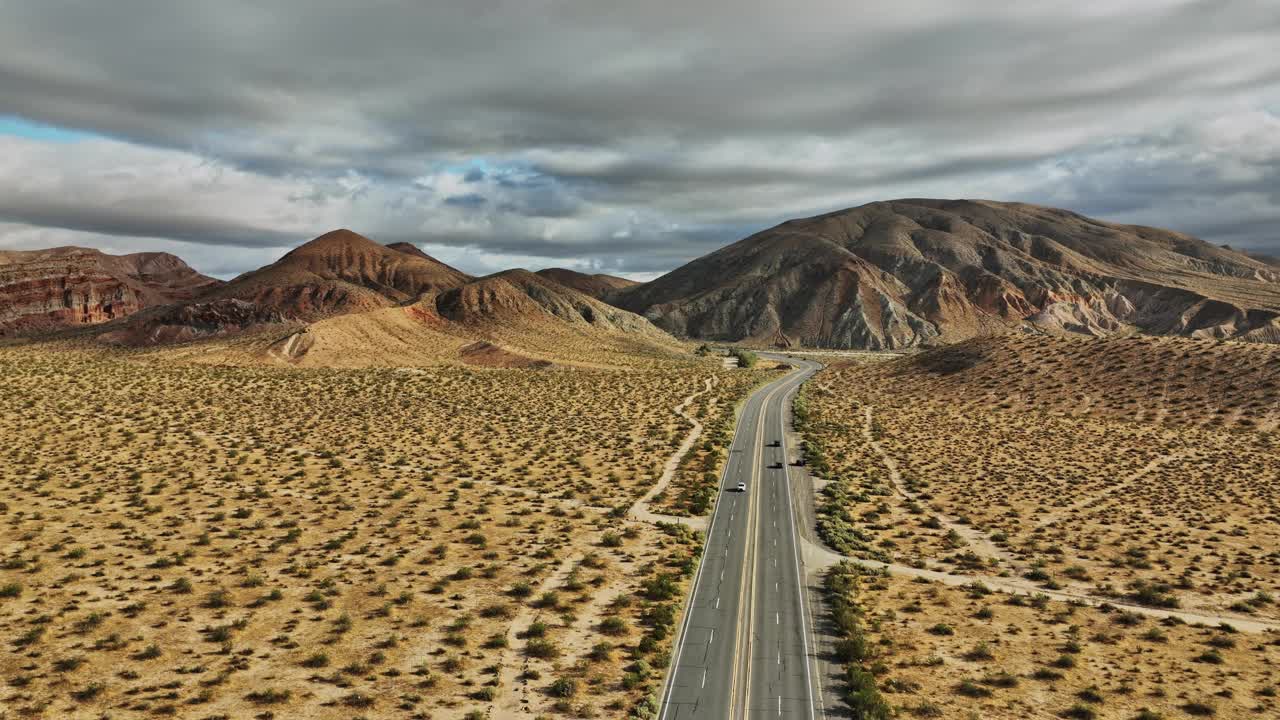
(888, 275)
(345, 290)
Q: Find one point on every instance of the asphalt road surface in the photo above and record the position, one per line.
(745, 648)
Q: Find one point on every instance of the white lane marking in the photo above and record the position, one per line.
(779, 706)
(721, 576)
(669, 680)
(679, 640)
(704, 677)
(717, 602)
(777, 620)
(795, 547)
(713, 636)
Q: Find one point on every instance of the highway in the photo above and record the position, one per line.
(745, 647)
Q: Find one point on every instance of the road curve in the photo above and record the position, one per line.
(743, 648)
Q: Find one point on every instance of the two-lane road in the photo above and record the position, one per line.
(744, 648)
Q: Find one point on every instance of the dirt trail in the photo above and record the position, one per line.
(1016, 586)
(513, 693)
(818, 557)
(640, 510)
(977, 540)
(1052, 517)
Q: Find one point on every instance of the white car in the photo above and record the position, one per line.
(742, 487)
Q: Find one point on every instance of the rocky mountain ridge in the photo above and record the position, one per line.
(598, 285)
(345, 299)
(912, 273)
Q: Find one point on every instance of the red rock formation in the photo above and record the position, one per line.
(60, 287)
(341, 272)
(190, 321)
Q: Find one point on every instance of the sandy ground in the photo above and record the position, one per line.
(195, 541)
(640, 510)
(1134, 532)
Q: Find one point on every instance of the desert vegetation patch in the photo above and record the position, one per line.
(1140, 474)
(247, 541)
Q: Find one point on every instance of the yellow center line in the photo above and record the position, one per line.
(743, 634)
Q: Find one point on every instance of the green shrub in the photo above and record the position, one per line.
(270, 696)
(613, 625)
(861, 695)
(563, 688)
(541, 648)
(88, 692)
(969, 688)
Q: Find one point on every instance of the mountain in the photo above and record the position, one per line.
(598, 286)
(341, 272)
(68, 286)
(1270, 260)
(521, 296)
(345, 300)
(513, 318)
(909, 273)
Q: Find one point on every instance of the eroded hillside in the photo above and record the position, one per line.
(918, 272)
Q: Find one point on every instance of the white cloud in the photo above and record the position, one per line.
(626, 137)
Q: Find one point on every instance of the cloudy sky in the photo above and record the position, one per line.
(623, 137)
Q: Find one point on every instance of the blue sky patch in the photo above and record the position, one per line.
(21, 127)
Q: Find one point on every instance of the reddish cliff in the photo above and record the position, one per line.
(60, 287)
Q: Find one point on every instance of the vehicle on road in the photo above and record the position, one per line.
(742, 487)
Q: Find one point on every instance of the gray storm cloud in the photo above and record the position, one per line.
(628, 137)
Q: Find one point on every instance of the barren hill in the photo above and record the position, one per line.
(510, 319)
(340, 272)
(66, 286)
(521, 296)
(345, 300)
(598, 286)
(921, 272)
